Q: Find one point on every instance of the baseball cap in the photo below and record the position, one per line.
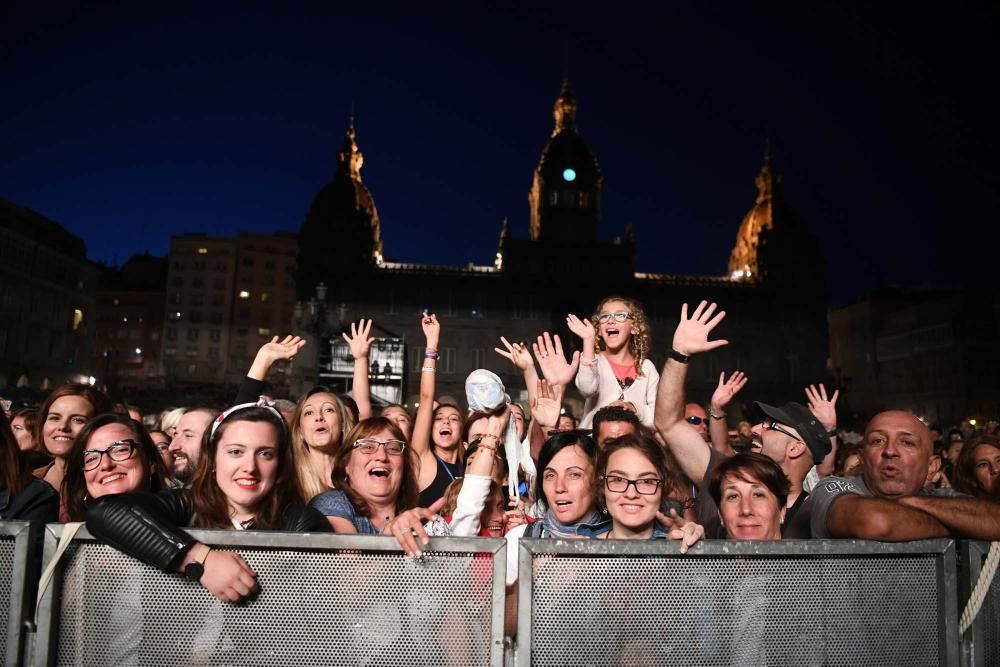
(798, 416)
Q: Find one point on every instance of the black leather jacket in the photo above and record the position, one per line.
(146, 526)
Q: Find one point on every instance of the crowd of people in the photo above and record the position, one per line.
(641, 463)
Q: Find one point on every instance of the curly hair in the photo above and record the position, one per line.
(638, 342)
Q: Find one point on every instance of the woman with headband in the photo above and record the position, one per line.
(244, 480)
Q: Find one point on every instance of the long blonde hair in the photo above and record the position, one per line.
(311, 481)
(638, 342)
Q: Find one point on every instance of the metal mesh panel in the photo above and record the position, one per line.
(989, 621)
(317, 608)
(734, 611)
(7, 545)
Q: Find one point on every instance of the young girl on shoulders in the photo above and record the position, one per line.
(614, 366)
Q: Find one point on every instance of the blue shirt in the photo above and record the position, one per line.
(336, 503)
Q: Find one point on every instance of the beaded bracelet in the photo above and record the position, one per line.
(431, 353)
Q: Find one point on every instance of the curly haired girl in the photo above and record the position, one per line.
(614, 368)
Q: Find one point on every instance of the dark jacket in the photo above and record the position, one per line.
(38, 501)
(147, 526)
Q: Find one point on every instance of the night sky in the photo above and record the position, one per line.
(127, 126)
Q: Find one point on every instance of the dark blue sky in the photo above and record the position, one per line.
(127, 125)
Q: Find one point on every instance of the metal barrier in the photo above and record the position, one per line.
(18, 581)
(821, 602)
(325, 600)
(981, 643)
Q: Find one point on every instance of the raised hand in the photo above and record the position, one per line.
(824, 410)
(272, 351)
(516, 352)
(691, 335)
(359, 341)
(688, 532)
(724, 393)
(546, 405)
(582, 328)
(549, 353)
(432, 329)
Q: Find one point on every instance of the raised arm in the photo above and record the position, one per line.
(517, 354)
(544, 414)
(587, 380)
(718, 427)
(253, 384)
(825, 410)
(360, 343)
(690, 337)
(420, 439)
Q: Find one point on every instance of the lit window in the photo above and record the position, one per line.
(569, 175)
(202, 251)
(263, 331)
(77, 318)
(244, 294)
(265, 296)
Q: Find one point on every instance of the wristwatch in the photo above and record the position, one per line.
(196, 568)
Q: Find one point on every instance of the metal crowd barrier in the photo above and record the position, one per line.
(981, 642)
(18, 578)
(821, 602)
(325, 600)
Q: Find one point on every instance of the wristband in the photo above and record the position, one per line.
(678, 357)
(431, 353)
(428, 369)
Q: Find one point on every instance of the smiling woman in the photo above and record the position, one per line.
(111, 454)
(374, 478)
(244, 480)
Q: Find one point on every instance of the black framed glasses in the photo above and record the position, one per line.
(371, 445)
(695, 420)
(618, 315)
(646, 486)
(121, 450)
(773, 426)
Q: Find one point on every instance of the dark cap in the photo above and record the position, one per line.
(797, 416)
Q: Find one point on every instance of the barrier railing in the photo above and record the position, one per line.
(325, 600)
(821, 602)
(981, 642)
(18, 578)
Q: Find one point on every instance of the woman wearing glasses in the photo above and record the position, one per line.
(633, 480)
(614, 368)
(112, 454)
(374, 478)
(245, 480)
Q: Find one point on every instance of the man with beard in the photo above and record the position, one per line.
(186, 443)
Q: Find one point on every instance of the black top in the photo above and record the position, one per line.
(147, 526)
(38, 501)
(446, 473)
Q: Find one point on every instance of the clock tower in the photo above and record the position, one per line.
(565, 197)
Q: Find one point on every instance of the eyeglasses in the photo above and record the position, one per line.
(646, 486)
(696, 421)
(773, 426)
(620, 316)
(371, 445)
(121, 450)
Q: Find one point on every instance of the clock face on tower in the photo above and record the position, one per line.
(569, 175)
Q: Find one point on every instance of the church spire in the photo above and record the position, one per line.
(350, 158)
(564, 110)
(768, 182)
